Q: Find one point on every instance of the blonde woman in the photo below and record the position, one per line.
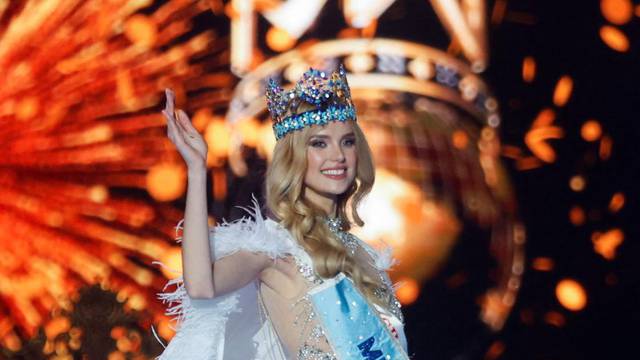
(297, 284)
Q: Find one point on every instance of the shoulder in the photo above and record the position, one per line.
(252, 233)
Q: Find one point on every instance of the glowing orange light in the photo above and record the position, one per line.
(606, 244)
(218, 137)
(75, 332)
(279, 39)
(499, 9)
(542, 264)
(165, 329)
(166, 182)
(528, 163)
(116, 355)
(108, 65)
(99, 194)
(460, 139)
(172, 259)
(488, 133)
(267, 141)
(141, 31)
(617, 202)
(369, 31)
(495, 350)
(577, 183)
(219, 180)
(359, 63)
(12, 342)
(118, 332)
(618, 12)
(577, 216)
(57, 326)
(408, 291)
(250, 130)
(605, 147)
(510, 151)
(554, 318)
(571, 294)
(123, 344)
(201, 118)
(125, 90)
(536, 141)
(137, 302)
(563, 90)
(348, 33)
(544, 118)
(27, 108)
(528, 69)
(591, 130)
(421, 69)
(614, 38)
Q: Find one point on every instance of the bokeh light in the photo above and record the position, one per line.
(572, 295)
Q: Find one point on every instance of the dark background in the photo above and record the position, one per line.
(564, 39)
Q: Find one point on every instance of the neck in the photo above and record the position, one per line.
(326, 202)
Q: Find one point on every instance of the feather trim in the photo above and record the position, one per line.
(384, 258)
(252, 233)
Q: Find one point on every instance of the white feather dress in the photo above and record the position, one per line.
(233, 326)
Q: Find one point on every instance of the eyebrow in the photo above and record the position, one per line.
(327, 136)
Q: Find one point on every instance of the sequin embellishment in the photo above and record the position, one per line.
(349, 241)
(304, 317)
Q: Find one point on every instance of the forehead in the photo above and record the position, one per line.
(333, 128)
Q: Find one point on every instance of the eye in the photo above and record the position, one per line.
(349, 142)
(318, 143)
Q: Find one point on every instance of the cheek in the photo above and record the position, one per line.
(314, 164)
(313, 160)
(352, 157)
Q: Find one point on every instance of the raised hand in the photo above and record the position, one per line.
(183, 135)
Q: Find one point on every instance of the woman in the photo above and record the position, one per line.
(296, 285)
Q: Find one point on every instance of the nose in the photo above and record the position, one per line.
(338, 154)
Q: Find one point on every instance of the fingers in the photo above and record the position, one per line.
(178, 124)
(185, 123)
(173, 133)
(171, 100)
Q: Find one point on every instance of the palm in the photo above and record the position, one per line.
(184, 136)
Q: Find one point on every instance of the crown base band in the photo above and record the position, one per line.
(314, 117)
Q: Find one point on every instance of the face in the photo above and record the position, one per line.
(331, 160)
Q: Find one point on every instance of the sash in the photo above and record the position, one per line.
(352, 326)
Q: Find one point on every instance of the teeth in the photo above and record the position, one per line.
(333, 172)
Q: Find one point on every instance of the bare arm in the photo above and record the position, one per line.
(202, 277)
(196, 254)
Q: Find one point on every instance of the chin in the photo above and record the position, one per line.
(330, 190)
(338, 191)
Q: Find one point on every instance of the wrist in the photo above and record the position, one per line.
(194, 171)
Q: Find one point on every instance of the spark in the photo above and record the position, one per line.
(79, 122)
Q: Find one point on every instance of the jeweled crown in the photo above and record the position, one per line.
(316, 99)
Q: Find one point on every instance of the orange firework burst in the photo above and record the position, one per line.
(81, 84)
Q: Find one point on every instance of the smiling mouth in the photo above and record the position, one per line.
(334, 172)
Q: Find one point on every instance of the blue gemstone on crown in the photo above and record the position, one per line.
(325, 99)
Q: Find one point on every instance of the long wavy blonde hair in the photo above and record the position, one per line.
(285, 201)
